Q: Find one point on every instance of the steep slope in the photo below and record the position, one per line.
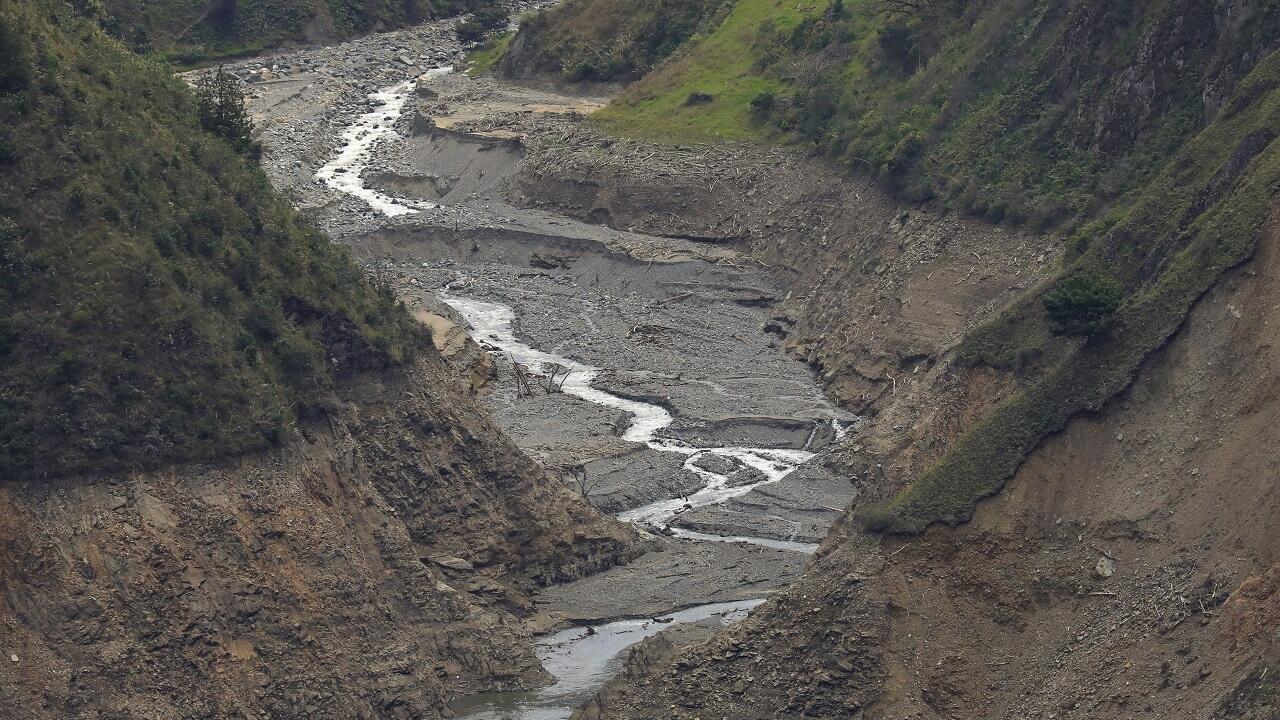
(1075, 593)
(236, 479)
(1128, 570)
(374, 568)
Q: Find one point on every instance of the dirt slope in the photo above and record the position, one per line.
(371, 569)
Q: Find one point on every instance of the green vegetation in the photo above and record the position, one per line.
(1200, 217)
(192, 33)
(158, 300)
(609, 40)
(719, 65)
(221, 111)
(1082, 303)
(485, 59)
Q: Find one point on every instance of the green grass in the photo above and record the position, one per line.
(720, 65)
(483, 60)
(159, 301)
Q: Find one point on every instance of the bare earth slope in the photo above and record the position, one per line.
(370, 569)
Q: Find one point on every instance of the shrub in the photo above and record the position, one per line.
(898, 48)
(762, 106)
(697, 97)
(1082, 303)
(482, 22)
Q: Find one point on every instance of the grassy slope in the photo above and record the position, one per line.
(484, 59)
(719, 65)
(158, 300)
(1030, 111)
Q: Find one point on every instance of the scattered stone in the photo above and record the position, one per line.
(1105, 568)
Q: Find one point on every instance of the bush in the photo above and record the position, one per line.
(762, 106)
(698, 97)
(1082, 303)
(898, 48)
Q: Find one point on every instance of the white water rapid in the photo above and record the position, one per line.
(343, 172)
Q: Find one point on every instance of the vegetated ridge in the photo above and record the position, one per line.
(160, 301)
(615, 41)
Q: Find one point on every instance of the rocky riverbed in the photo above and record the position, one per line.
(637, 368)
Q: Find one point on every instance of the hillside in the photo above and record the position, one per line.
(236, 478)
(1025, 258)
(190, 31)
(1157, 192)
(160, 301)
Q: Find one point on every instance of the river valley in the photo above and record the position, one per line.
(637, 368)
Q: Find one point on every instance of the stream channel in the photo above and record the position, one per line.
(700, 431)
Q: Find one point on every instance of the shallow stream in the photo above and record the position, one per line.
(581, 658)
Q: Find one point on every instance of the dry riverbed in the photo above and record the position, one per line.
(637, 368)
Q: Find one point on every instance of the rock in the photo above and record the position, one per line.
(13, 658)
(718, 464)
(1105, 568)
(451, 562)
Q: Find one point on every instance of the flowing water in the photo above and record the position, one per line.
(344, 172)
(492, 323)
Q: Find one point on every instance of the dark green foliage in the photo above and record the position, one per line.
(159, 300)
(898, 47)
(698, 97)
(198, 32)
(482, 23)
(1082, 303)
(220, 107)
(762, 106)
(1012, 110)
(608, 40)
(15, 55)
